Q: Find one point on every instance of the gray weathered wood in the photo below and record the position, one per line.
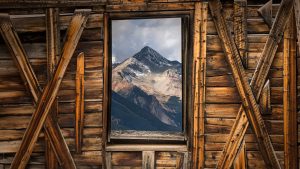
(50, 91)
(241, 124)
(266, 12)
(148, 160)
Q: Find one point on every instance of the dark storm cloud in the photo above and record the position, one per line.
(130, 36)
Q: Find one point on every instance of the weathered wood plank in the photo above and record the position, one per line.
(290, 96)
(150, 7)
(240, 126)
(53, 45)
(50, 91)
(49, 3)
(297, 19)
(148, 159)
(199, 82)
(79, 118)
(266, 13)
(105, 87)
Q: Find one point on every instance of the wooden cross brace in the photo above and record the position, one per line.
(249, 112)
(46, 98)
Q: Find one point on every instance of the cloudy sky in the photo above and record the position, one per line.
(130, 36)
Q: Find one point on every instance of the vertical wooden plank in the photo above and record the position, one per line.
(186, 160)
(297, 18)
(241, 159)
(199, 76)
(148, 160)
(50, 91)
(108, 160)
(290, 96)
(53, 43)
(240, 29)
(79, 118)
(105, 88)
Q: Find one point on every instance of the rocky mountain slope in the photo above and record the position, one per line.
(151, 82)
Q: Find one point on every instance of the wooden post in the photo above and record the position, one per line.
(249, 101)
(199, 76)
(51, 127)
(53, 43)
(148, 160)
(290, 96)
(79, 118)
(240, 29)
(241, 124)
(297, 18)
(108, 160)
(50, 91)
(105, 89)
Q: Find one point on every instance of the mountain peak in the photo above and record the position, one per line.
(148, 55)
(147, 48)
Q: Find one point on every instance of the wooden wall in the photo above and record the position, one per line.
(222, 98)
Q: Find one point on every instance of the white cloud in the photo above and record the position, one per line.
(163, 35)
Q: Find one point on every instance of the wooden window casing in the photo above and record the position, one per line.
(151, 137)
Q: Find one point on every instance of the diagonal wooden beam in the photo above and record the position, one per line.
(48, 96)
(79, 117)
(241, 124)
(53, 51)
(52, 130)
(249, 102)
(241, 159)
(240, 29)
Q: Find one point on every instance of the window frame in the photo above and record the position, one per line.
(159, 136)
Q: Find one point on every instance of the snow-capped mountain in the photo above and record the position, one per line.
(153, 83)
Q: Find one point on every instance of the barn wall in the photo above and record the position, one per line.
(222, 98)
